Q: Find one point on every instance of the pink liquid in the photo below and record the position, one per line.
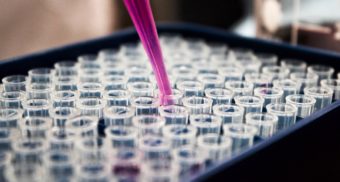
(141, 15)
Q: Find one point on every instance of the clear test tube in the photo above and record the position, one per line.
(60, 115)
(265, 123)
(323, 71)
(333, 84)
(145, 105)
(91, 149)
(10, 118)
(218, 48)
(28, 151)
(174, 114)
(231, 73)
(7, 136)
(259, 79)
(220, 95)
(5, 162)
(38, 91)
(108, 55)
(59, 165)
(190, 161)
(214, 147)
(269, 95)
(93, 171)
(90, 75)
(65, 83)
(184, 74)
(121, 137)
(211, 80)
(15, 83)
(276, 72)
(203, 67)
(114, 82)
(141, 89)
(240, 87)
(61, 140)
(249, 61)
(118, 115)
(288, 86)
(91, 90)
(36, 107)
(41, 75)
(155, 148)
(286, 114)
(303, 103)
(250, 103)
(322, 95)
(294, 65)
(117, 98)
(198, 105)
(160, 170)
(190, 88)
(24, 172)
(126, 164)
(11, 100)
(242, 136)
(305, 79)
(136, 74)
(148, 124)
(88, 61)
(82, 126)
(206, 123)
(91, 107)
(180, 135)
(229, 113)
(175, 98)
(267, 59)
(64, 98)
(113, 69)
(66, 68)
(35, 127)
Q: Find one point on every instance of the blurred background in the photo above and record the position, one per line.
(31, 25)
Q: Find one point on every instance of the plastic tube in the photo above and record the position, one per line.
(91, 107)
(155, 148)
(91, 90)
(11, 100)
(294, 65)
(231, 73)
(145, 105)
(160, 170)
(267, 59)
(288, 86)
(250, 103)
(242, 136)
(90, 75)
(66, 68)
(41, 75)
(286, 114)
(82, 126)
(265, 123)
(14, 83)
(175, 98)
(10, 118)
(126, 164)
(60, 115)
(59, 165)
(305, 79)
(35, 127)
(141, 89)
(210, 80)
(229, 113)
(269, 95)
(303, 103)
(92, 171)
(276, 72)
(121, 137)
(322, 95)
(61, 140)
(191, 88)
(39, 91)
(65, 83)
(333, 84)
(259, 80)
(88, 61)
(148, 124)
(118, 115)
(91, 149)
(323, 71)
(36, 107)
(198, 105)
(174, 114)
(64, 99)
(190, 161)
(7, 137)
(117, 98)
(214, 147)
(240, 87)
(180, 135)
(206, 123)
(219, 95)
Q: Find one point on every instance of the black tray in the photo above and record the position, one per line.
(309, 150)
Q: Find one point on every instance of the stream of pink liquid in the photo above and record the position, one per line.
(141, 15)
